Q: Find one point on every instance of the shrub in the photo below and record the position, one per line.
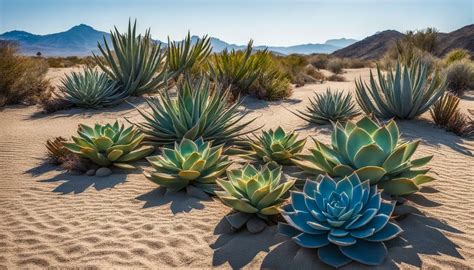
(22, 79)
(355, 63)
(408, 54)
(460, 77)
(335, 65)
(271, 83)
(58, 154)
(335, 78)
(404, 94)
(319, 61)
(456, 55)
(444, 109)
(70, 61)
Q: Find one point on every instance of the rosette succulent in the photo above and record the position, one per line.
(108, 145)
(277, 145)
(196, 163)
(253, 192)
(375, 152)
(346, 221)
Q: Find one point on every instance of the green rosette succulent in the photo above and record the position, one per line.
(196, 163)
(346, 221)
(277, 146)
(107, 145)
(375, 152)
(253, 192)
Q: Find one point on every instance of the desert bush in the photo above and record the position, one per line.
(444, 109)
(408, 54)
(70, 61)
(335, 78)
(314, 74)
(355, 63)
(335, 65)
(425, 40)
(319, 61)
(22, 79)
(271, 83)
(461, 125)
(460, 76)
(456, 55)
(293, 66)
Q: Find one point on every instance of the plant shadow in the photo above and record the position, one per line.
(179, 201)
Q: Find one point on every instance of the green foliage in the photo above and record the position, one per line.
(189, 163)
(404, 94)
(460, 77)
(198, 111)
(253, 191)
(456, 55)
(277, 146)
(344, 219)
(425, 40)
(89, 89)
(107, 145)
(330, 106)
(186, 57)
(135, 63)
(374, 152)
(272, 83)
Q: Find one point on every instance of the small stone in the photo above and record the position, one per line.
(255, 225)
(90, 172)
(102, 172)
(196, 192)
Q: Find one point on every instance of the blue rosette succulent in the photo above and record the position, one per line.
(345, 220)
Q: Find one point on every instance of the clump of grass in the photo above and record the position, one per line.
(456, 55)
(460, 76)
(446, 114)
(336, 78)
(335, 65)
(355, 63)
(272, 83)
(22, 79)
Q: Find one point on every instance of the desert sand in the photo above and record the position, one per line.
(49, 218)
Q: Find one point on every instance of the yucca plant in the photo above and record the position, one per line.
(110, 144)
(373, 151)
(346, 220)
(444, 109)
(277, 145)
(135, 62)
(404, 94)
(198, 111)
(251, 192)
(195, 163)
(185, 56)
(330, 106)
(89, 89)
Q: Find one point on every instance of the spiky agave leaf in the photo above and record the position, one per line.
(253, 191)
(56, 149)
(375, 152)
(330, 106)
(110, 144)
(198, 111)
(444, 109)
(89, 89)
(404, 94)
(196, 163)
(345, 220)
(186, 55)
(134, 62)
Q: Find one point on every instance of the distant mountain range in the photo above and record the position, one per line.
(375, 46)
(82, 39)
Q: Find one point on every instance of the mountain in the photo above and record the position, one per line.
(375, 46)
(82, 39)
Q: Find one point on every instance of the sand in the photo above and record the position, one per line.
(49, 218)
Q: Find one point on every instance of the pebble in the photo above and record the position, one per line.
(102, 172)
(90, 172)
(255, 225)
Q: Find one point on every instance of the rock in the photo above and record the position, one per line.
(196, 192)
(103, 172)
(255, 225)
(90, 172)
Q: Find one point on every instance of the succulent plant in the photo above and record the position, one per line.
(277, 146)
(346, 221)
(444, 109)
(375, 152)
(253, 192)
(56, 149)
(107, 145)
(89, 89)
(135, 62)
(329, 106)
(404, 94)
(198, 111)
(188, 54)
(196, 163)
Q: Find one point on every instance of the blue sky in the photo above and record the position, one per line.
(278, 22)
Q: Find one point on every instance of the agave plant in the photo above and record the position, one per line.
(136, 63)
(277, 146)
(443, 110)
(404, 94)
(329, 107)
(186, 55)
(107, 145)
(346, 221)
(198, 111)
(90, 89)
(56, 150)
(375, 152)
(253, 192)
(195, 163)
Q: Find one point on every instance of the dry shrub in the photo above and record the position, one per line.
(456, 55)
(335, 65)
(446, 114)
(54, 104)
(336, 78)
(70, 61)
(460, 76)
(22, 79)
(319, 61)
(355, 63)
(57, 154)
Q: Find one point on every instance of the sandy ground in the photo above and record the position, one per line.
(49, 218)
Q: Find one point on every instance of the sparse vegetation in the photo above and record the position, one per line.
(335, 78)
(456, 55)
(335, 65)
(446, 114)
(271, 83)
(70, 61)
(460, 76)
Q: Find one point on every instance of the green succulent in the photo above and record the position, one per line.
(252, 191)
(277, 146)
(187, 55)
(329, 107)
(108, 145)
(136, 63)
(404, 94)
(198, 111)
(89, 89)
(195, 163)
(375, 152)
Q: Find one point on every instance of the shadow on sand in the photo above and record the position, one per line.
(179, 201)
